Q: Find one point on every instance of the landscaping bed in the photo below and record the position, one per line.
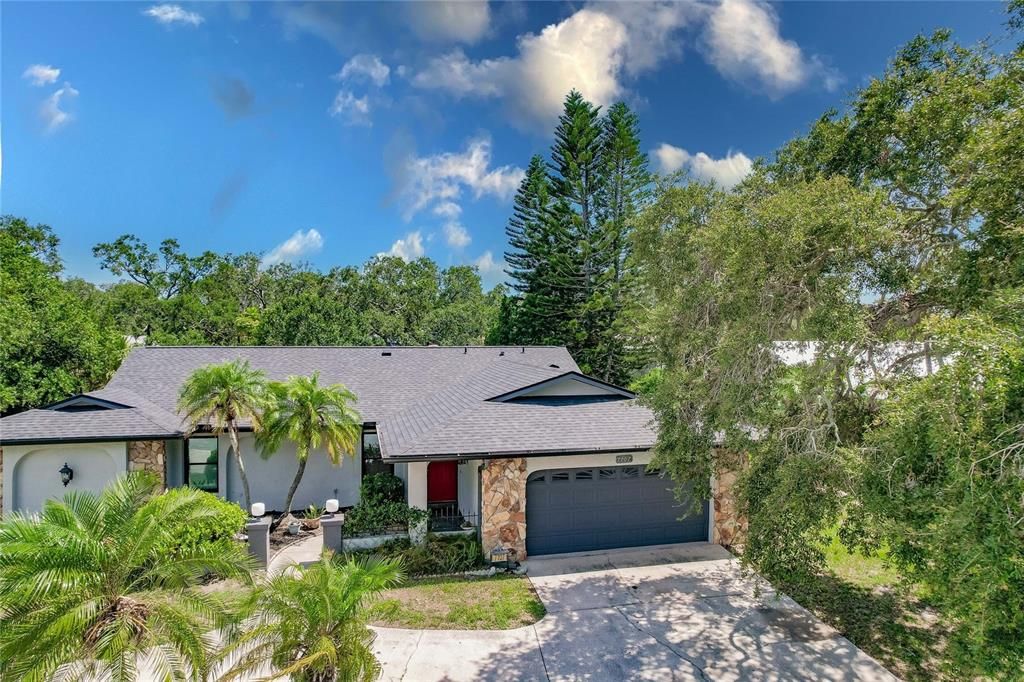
(499, 602)
(871, 606)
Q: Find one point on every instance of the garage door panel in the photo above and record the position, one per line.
(603, 508)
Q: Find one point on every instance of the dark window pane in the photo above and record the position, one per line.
(371, 445)
(372, 461)
(584, 475)
(560, 476)
(607, 473)
(377, 466)
(203, 476)
(202, 450)
(202, 463)
(651, 471)
(535, 476)
(630, 472)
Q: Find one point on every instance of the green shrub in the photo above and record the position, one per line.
(368, 518)
(437, 555)
(215, 528)
(379, 488)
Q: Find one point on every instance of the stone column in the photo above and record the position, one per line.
(729, 526)
(331, 525)
(503, 505)
(258, 531)
(148, 455)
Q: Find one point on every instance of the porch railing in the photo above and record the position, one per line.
(448, 517)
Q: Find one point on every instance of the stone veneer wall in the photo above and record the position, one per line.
(730, 526)
(503, 505)
(148, 455)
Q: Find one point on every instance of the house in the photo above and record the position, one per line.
(544, 458)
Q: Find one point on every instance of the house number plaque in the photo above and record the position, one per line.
(623, 459)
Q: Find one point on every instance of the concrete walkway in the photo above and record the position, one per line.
(305, 551)
(676, 612)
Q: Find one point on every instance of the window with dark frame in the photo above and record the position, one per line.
(373, 463)
(202, 468)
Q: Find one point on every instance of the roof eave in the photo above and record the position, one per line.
(515, 453)
(89, 439)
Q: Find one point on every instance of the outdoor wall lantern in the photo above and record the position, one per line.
(66, 474)
(258, 509)
(331, 506)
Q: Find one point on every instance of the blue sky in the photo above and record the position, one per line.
(331, 132)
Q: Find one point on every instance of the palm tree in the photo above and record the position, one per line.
(86, 590)
(220, 396)
(311, 416)
(310, 623)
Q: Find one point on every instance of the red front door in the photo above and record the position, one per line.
(442, 482)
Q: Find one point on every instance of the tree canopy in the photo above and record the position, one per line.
(845, 327)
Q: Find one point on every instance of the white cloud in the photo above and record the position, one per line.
(365, 67)
(490, 270)
(456, 235)
(448, 209)
(354, 110)
(41, 74)
(463, 21)
(591, 51)
(298, 245)
(726, 172)
(440, 179)
(409, 247)
(742, 41)
(173, 14)
(53, 116)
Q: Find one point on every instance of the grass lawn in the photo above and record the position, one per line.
(496, 603)
(866, 600)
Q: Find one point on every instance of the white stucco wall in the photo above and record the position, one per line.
(416, 484)
(469, 487)
(269, 479)
(31, 472)
(568, 386)
(580, 461)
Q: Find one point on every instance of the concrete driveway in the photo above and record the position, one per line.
(675, 612)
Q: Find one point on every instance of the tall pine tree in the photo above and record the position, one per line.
(569, 237)
(625, 188)
(576, 178)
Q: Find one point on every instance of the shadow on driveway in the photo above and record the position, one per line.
(677, 612)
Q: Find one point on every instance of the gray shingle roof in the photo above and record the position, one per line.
(425, 400)
(40, 426)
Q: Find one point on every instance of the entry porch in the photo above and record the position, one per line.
(448, 489)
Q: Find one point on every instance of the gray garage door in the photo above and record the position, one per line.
(574, 510)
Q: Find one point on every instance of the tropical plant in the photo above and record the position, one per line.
(219, 397)
(381, 487)
(216, 530)
(310, 416)
(86, 590)
(437, 555)
(382, 516)
(310, 624)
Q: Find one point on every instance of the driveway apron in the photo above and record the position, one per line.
(678, 612)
